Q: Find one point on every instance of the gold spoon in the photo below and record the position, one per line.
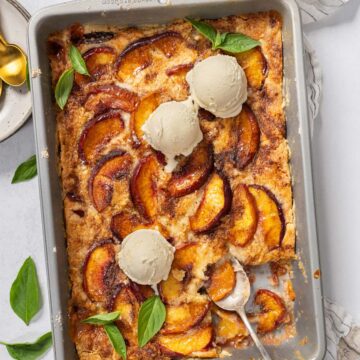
(12, 63)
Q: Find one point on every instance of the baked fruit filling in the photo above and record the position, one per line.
(230, 197)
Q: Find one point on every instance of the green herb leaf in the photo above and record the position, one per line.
(151, 318)
(30, 351)
(204, 28)
(77, 61)
(25, 292)
(237, 43)
(63, 87)
(116, 339)
(102, 319)
(25, 171)
(218, 40)
(27, 76)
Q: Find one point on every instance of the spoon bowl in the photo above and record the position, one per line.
(237, 300)
(12, 63)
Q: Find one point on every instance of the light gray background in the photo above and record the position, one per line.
(336, 164)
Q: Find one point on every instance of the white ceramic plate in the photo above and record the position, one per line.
(15, 103)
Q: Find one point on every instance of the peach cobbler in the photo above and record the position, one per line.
(230, 196)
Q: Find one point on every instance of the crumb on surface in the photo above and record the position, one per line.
(36, 72)
(317, 274)
(44, 154)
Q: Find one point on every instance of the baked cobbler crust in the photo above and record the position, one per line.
(100, 151)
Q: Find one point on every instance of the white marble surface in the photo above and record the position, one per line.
(336, 161)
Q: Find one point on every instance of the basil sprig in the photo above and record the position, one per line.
(152, 316)
(230, 42)
(30, 351)
(25, 292)
(65, 83)
(112, 331)
(25, 171)
(102, 319)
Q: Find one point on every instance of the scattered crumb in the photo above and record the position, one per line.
(317, 274)
(302, 269)
(304, 341)
(225, 353)
(298, 355)
(58, 319)
(44, 154)
(35, 73)
(290, 290)
(54, 249)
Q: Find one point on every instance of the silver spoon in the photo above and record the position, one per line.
(237, 300)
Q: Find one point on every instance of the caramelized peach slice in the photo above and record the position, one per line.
(255, 66)
(109, 168)
(99, 271)
(97, 133)
(147, 105)
(194, 340)
(273, 311)
(108, 96)
(244, 216)
(171, 288)
(138, 55)
(222, 282)
(98, 62)
(127, 304)
(143, 187)
(228, 327)
(248, 137)
(183, 317)
(186, 256)
(271, 216)
(194, 172)
(216, 203)
(124, 223)
(179, 70)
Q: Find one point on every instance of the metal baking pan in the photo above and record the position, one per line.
(308, 307)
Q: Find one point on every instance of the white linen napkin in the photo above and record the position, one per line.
(342, 335)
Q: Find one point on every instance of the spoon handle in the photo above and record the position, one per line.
(253, 335)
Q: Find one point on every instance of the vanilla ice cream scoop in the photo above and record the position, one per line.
(218, 84)
(146, 257)
(174, 129)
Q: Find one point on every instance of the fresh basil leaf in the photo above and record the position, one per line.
(25, 171)
(63, 87)
(237, 43)
(204, 28)
(151, 318)
(77, 61)
(116, 339)
(102, 319)
(30, 351)
(25, 292)
(27, 76)
(218, 40)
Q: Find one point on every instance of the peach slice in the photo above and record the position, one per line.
(97, 133)
(255, 66)
(186, 256)
(179, 70)
(244, 217)
(182, 317)
(143, 187)
(193, 173)
(273, 311)
(216, 203)
(228, 327)
(271, 216)
(124, 223)
(99, 271)
(171, 288)
(222, 282)
(98, 62)
(147, 105)
(196, 339)
(138, 55)
(108, 96)
(127, 304)
(248, 137)
(109, 168)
